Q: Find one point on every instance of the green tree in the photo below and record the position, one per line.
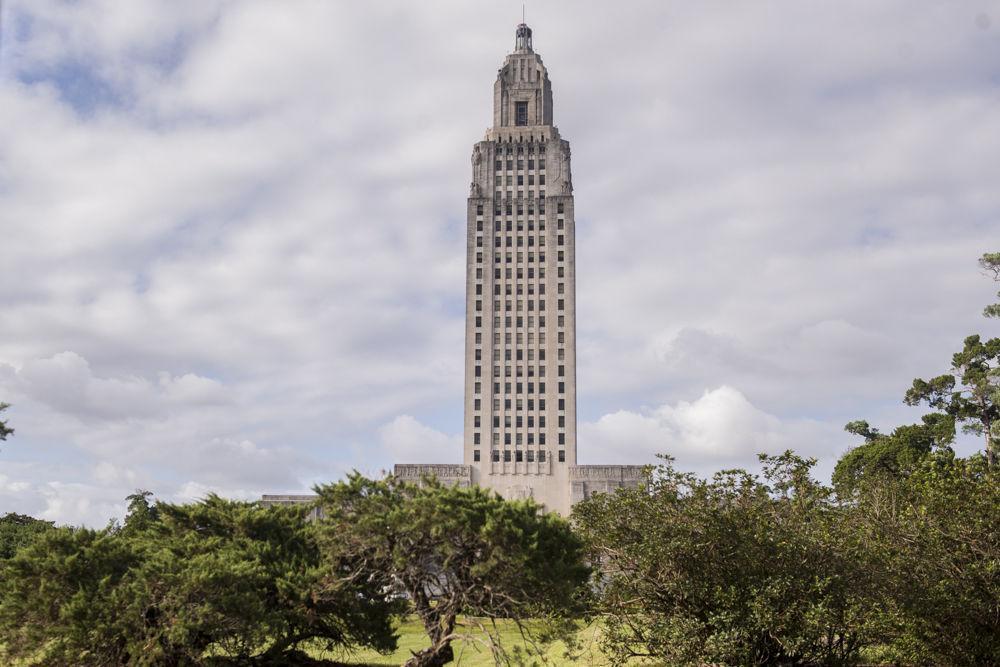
(939, 529)
(251, 581)
(5, 430)
(17, 530)
(64, 600)
(454, 551)
(141, 513)
(178, 584)
(969, 393)
(894, 455)
(735, 570)
(990, 262)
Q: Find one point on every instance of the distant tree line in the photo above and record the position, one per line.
(896, 561)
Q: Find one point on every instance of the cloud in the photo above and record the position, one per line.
(409, 441)
(65, 383)
(234, 246)
(719, 429)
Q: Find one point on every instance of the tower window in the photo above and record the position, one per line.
(520, 113)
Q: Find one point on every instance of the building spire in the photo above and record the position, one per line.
(522, 43)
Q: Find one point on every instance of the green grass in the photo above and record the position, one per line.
(474, 653)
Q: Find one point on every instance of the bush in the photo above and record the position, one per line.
(734, 570)
(178, 582)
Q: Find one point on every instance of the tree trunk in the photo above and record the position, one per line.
(439, 629)
(992, 445)
(435, 656)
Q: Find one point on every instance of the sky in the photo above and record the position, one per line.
(233, 232)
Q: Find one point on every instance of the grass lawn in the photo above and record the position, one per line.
(471, 652)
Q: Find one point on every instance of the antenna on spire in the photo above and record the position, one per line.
(523, 41)
(522, 13)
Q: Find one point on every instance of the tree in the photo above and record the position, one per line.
(64, 600)
(894, 455)
(990, 262)
(18, 530)
(732, 570)
(250, 581)
(141, 513)
(455, 551)
(969, 393)
(5, 431)
(939, 529)
(218, 582)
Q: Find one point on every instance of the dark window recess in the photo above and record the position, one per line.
(520, 113)
(496, 455)
(475, 455)
(562, 456)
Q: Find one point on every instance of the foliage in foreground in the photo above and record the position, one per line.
(970, 393)
(19, 530)
(735, 570)
(454, 551)
(177, 582)
(743, 570)
(938, 531)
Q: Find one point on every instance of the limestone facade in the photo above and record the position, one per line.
(520, 330)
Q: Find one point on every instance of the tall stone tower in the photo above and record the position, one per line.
(520, 331)
(520, 313)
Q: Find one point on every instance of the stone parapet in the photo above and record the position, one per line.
(607, 472)
(273, 500)
(446, 473)
(585, 481)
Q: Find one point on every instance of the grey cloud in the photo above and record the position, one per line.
(268, 207)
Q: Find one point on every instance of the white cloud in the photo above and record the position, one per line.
(719, 429)
(193, 491)
(234, 237)
(409, 441)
